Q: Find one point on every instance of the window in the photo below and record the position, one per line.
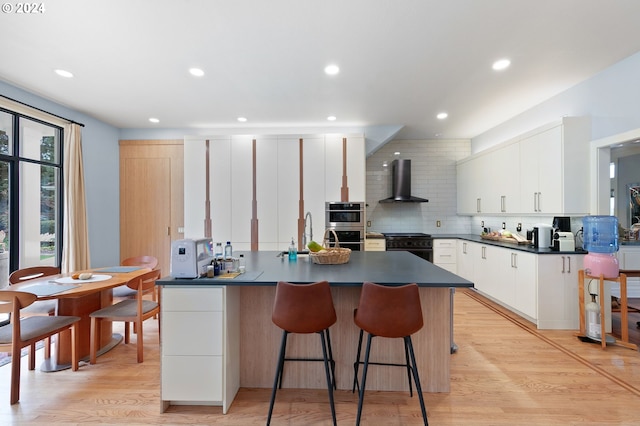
(30, 193)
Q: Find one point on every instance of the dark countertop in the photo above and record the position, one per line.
(265, 268)
(520, 247)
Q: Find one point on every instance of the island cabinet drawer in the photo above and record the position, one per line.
(192, 378)
(374, 244)
(192, 333)
(192, 299)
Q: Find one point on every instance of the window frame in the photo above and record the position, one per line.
(14, 160)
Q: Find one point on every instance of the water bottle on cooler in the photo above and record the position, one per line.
(228, 250)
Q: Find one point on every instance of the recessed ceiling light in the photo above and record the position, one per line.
(385, 164)
(196, 72)
(501, 64)
(442, 115)
(64, 73)
(331, 69)
(154, 120)
(396, 153)
(242, 119)
(331, 118)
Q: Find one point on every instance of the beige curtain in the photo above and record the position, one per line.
(75, 250)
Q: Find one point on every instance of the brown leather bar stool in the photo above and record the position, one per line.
(394, 312)
(303, 309)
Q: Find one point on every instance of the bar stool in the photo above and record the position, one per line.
(393, 312)
(303, 309)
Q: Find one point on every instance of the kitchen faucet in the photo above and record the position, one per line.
(304, 234)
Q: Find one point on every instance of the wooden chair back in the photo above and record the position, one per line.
(33, 272)
(145, 261)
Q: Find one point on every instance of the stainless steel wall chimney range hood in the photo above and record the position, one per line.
(401, 184)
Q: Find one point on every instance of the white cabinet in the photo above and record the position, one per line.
(540, 287)
(466, 255)
(558, 291)
(199, 365)
(278, 195)
(335, 160)
(540, 172)
(525, 280)
(444, 254)
(629, 258)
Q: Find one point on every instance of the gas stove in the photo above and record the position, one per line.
(409, 241)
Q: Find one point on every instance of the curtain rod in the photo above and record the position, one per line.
(41, 110)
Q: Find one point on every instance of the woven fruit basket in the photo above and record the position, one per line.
(331, 255)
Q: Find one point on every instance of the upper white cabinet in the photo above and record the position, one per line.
(540, 172)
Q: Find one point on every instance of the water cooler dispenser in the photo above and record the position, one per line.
(600, 235)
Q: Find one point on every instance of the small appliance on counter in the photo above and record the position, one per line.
(542, 236)
(563, 241)
(190, 258)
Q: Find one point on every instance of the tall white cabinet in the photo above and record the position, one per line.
(279, 160)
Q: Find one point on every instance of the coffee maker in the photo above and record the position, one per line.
(563, 239)
(561, 224)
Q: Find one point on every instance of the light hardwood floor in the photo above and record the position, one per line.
(504, 373)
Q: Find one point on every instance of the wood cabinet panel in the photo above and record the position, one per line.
(151, 198)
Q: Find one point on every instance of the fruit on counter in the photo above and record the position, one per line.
(506, 234)
(314, 247)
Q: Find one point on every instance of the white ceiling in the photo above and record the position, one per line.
(401, 61)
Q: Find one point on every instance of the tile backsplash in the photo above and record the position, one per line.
(433, 171)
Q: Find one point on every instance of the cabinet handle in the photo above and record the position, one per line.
(535, 202)
(478, 205)
(563, 264)
(502, 203)
(569, 260)
(539, 204)
(484, 252)
(464, 248)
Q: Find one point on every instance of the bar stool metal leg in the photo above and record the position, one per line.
(330, 380)
(416, 377)
(364, 378)
(277, 382)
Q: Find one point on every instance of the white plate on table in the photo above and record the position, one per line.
(95, 278)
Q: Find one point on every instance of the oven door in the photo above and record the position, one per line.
(339, 214)
(348, 238)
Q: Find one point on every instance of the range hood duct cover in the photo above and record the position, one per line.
(401, 184)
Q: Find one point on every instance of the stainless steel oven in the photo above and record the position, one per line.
(347, 220)
(344, 214)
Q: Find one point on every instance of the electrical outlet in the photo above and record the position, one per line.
(519, 227)
(438, 224)
(368, 224)
(504, 225)
(482, 224)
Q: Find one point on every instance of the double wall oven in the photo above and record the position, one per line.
(348, 221)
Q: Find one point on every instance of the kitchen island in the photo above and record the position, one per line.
(236, 313)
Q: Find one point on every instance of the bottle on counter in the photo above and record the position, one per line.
(242, 265)
(293, 250)
(218, 251)
(228, 250)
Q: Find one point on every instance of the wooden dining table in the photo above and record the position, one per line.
(80, 298)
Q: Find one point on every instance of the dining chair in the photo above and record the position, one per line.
(123, 291)
(128, 311)
(39, 307)
(23, 332)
